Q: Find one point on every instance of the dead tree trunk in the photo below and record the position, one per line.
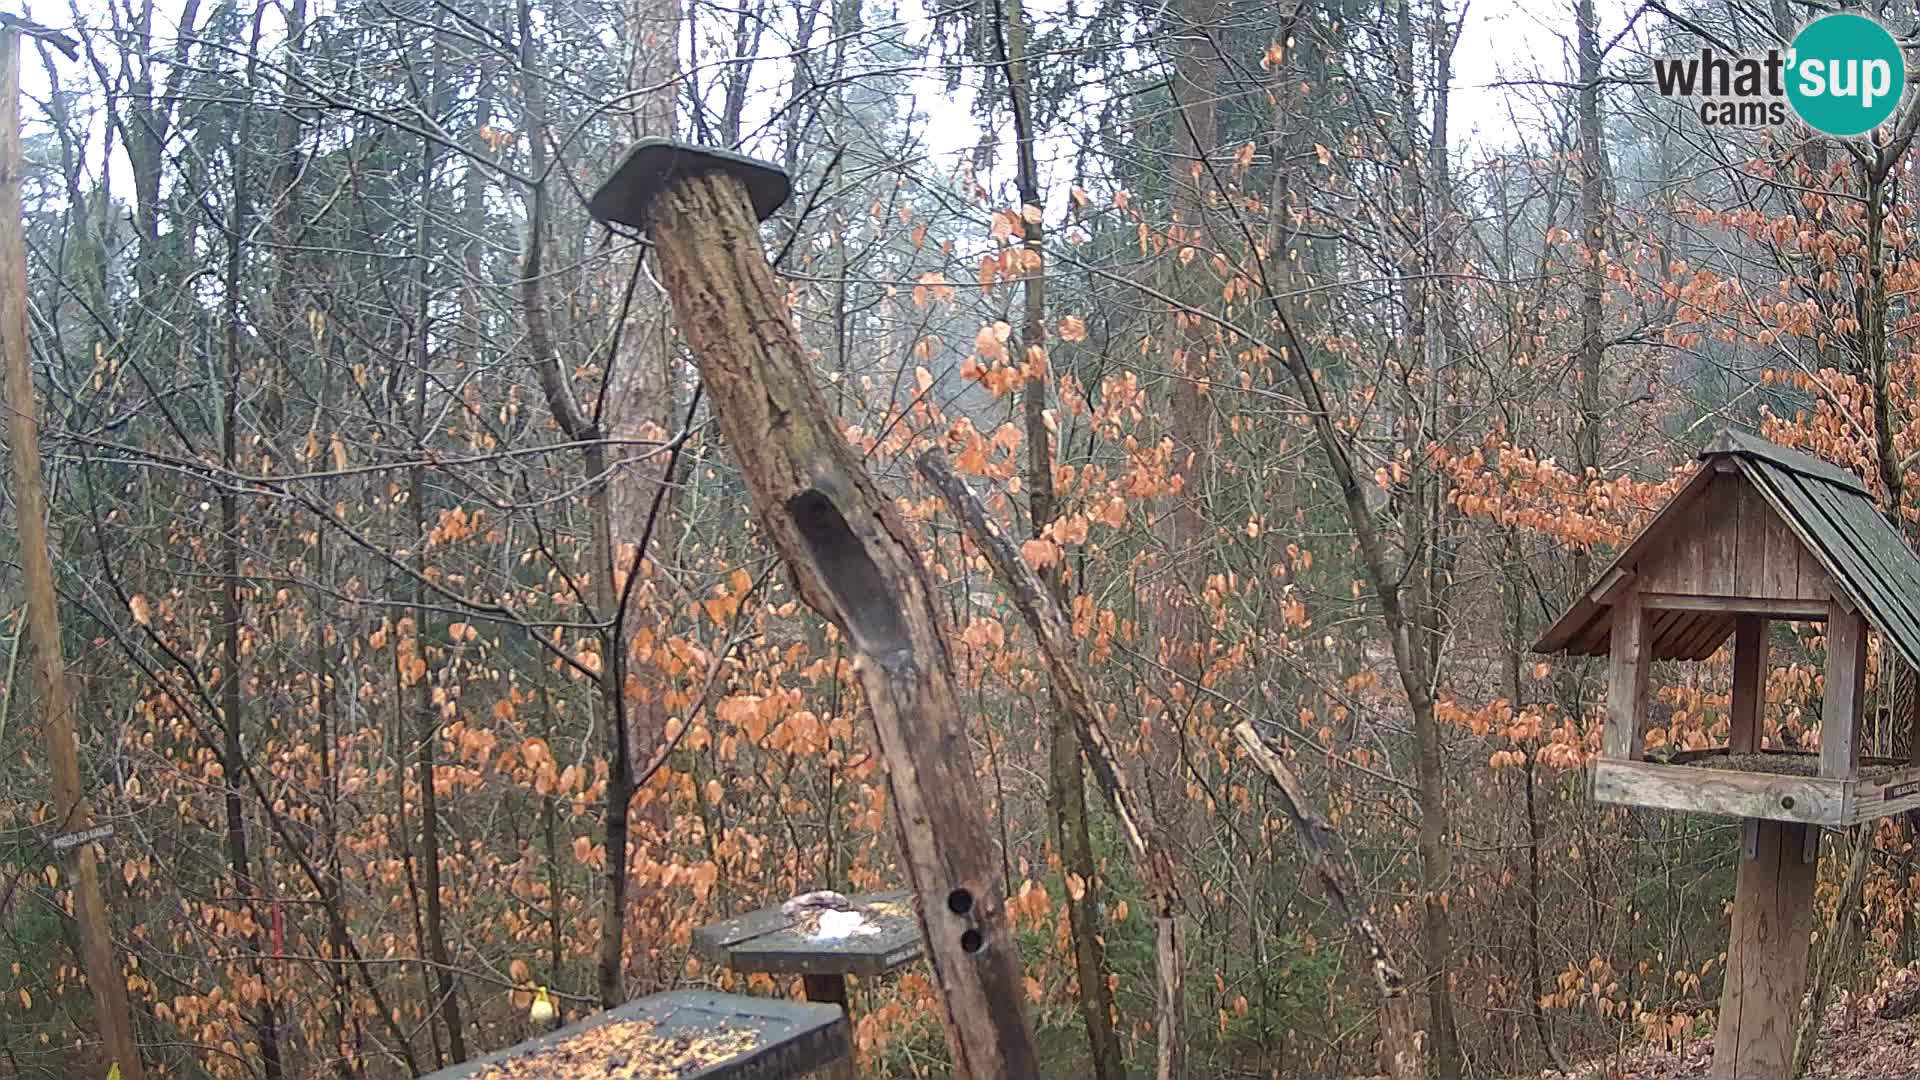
(851, 561)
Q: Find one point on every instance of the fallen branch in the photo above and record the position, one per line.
(1073, 694)
(1327, 854)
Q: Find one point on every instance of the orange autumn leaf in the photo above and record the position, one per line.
(1039, 553)
(991, 341)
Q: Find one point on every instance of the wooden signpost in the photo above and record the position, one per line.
(72, 815)
(851, 561)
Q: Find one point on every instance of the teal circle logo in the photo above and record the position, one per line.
(1845, 75)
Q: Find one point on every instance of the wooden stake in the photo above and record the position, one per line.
(104, 976)
(1766, 956)
(851, 561)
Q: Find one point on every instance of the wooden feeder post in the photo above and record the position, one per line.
(1760, 532)
(851, 561)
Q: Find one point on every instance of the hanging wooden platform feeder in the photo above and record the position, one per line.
(1760, 532)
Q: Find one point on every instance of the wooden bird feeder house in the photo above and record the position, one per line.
(1759, 533)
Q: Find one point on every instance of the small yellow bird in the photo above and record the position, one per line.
(542, 1011)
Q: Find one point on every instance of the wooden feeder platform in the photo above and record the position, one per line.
(1778, 785)
(769, 940)
(681, 1035)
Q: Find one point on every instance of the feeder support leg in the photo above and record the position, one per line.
(1766, 955)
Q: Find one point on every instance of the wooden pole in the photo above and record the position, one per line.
(104, 976)
(1844, 691)
(851, 560)
(1627, 667)
(1747, 725)
(1766, 955)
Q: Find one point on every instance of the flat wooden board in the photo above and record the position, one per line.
(1776, 762)
(754, 1039)
(767, 940)
(1896, 793)
(1815, 800)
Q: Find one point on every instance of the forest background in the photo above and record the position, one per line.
(425, 651)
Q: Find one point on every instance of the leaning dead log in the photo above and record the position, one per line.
(1073, 695)
(1327, 854)
(851, 561)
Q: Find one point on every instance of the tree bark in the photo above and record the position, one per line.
(1073, 695)
(104, 977)
(852, 561)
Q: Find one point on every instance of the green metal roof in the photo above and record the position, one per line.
(1833, 514)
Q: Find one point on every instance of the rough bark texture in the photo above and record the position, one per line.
(104, 976)
(852, 561)
(1586, 453)
(1073, 695)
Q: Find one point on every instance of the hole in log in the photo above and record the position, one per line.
(1786, 802)
(871, 611)
(972, 941)
(959, 901)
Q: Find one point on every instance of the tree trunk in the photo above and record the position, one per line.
(1073, 695)
(1066, 793)
(1196, 89)
(1586, 443)
(1418, 537)
(446, 1002)
(641, 536)
(97, 955)
(610, 682)
(852, 562)
(232, 690)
